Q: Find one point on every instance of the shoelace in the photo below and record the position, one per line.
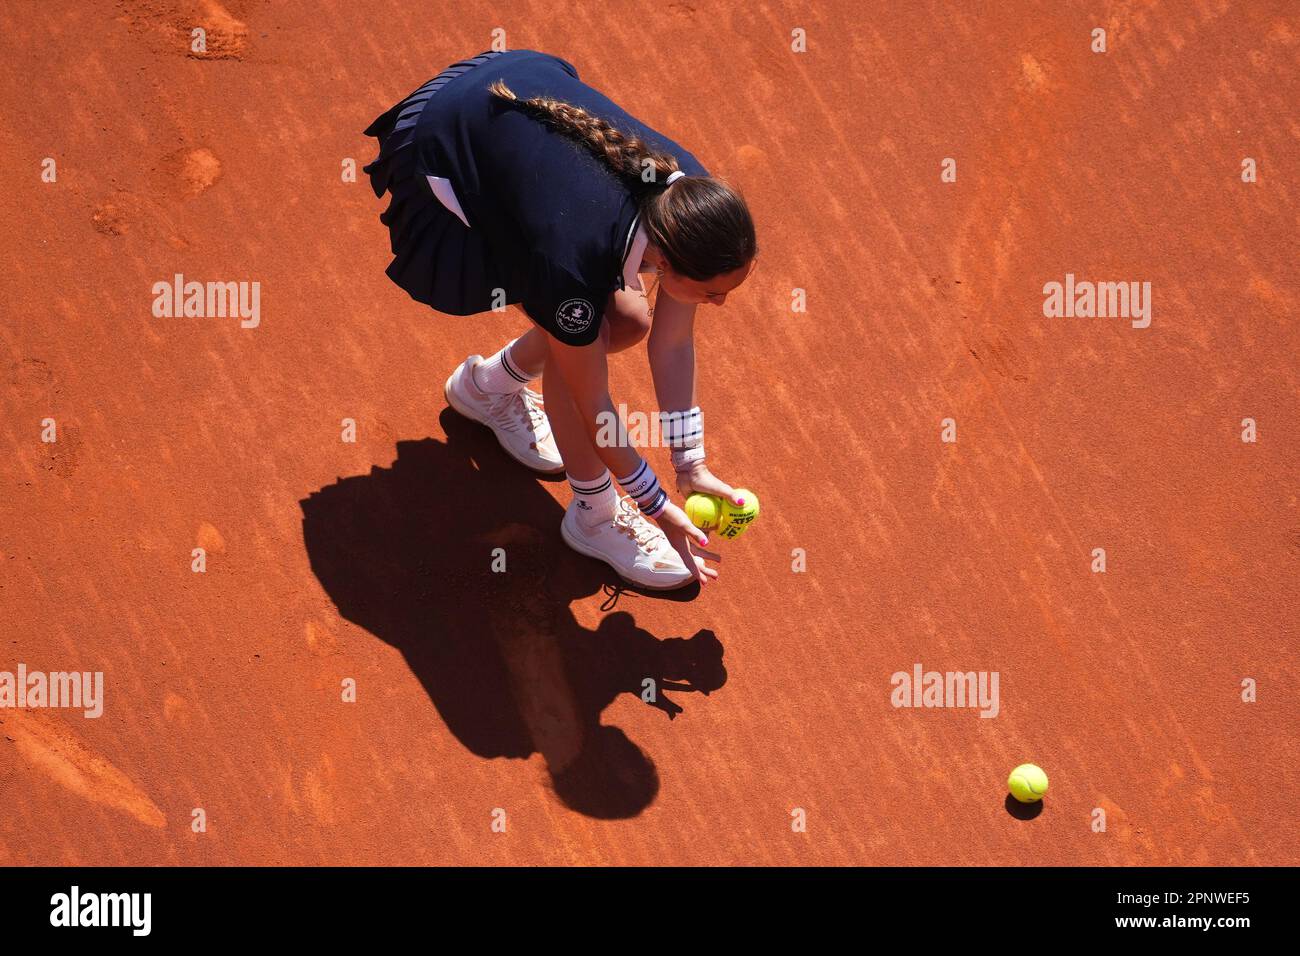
(523, 407)
(534, 410)
(629, 520)
(612, 593)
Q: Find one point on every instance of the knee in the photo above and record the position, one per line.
(627, 316)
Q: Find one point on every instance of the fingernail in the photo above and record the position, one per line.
(705, 541)
(740, 501)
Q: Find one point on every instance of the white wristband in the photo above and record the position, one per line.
(685, 458)
(682, 429)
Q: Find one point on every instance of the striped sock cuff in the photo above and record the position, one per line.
(643, 486)
(595, 486)
(522, 377)
(501, 374)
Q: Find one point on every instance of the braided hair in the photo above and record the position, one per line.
(701, 224)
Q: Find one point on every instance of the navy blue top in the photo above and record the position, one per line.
(554, 213)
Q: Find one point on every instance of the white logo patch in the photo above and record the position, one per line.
(575, 315)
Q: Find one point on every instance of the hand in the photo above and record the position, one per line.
(698, 478)
(681, 535)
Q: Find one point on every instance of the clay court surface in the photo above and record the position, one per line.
(329, 560)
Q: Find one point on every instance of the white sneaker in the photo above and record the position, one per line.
(517, 418)
(631, 544)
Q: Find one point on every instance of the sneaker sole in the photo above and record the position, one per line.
(587, 552)
(447, 393)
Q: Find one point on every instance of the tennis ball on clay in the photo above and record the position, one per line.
(1027, 783)
(736, 518)
(705, 511)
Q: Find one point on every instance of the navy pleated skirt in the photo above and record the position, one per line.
(436, 258)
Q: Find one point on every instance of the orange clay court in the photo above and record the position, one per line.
(478, 694)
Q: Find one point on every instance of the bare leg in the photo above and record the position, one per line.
(628, 321)
(530, 352)
(571, 435)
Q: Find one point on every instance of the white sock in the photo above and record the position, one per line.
(596, 500)
(501, 373)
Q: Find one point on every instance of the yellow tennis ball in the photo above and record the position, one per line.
(736, 518)
(705, 511)
(1027, 783)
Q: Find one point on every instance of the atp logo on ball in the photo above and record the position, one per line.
(710, 513)
(736, 524)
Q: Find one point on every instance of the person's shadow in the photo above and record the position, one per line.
(453, 555)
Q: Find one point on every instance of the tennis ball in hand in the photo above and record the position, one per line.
(705, 511)
(1027, 783)
(736, 518)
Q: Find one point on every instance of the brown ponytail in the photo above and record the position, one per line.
(701, 225)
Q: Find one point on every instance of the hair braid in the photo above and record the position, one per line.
(626, 156)
(702, 225)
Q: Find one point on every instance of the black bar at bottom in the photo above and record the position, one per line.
(330, 905)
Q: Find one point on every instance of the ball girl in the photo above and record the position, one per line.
(513, 182)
